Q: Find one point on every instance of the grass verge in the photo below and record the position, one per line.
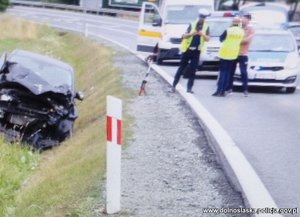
(56, 182)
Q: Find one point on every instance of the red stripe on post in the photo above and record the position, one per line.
(109, 128)
(119, 130)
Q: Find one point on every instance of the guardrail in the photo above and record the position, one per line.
(99, 11)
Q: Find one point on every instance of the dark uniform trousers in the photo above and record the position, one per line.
(242, 60)
(224, 75)
(189, 55)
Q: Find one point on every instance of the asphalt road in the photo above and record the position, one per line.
(265, 125)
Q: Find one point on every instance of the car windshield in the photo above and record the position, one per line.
(183, 14)
(51, 73)
(275, 43)
(217, 27)
(267, 15)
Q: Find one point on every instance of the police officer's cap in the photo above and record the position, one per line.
(203, 13)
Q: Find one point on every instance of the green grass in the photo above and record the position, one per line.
(16, 163)
(58, 182)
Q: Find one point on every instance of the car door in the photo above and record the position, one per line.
(149, 31)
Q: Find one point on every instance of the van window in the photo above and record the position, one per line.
(183, 14)
(151, 14)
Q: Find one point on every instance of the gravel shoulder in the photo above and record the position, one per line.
(168, 168)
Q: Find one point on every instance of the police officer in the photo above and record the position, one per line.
(191, 45)
(228, 53)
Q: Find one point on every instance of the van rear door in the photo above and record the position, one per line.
(149, 31)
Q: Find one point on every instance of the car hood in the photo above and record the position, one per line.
(29, 79)
(268, 57)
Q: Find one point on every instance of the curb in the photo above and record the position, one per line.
(236, 166)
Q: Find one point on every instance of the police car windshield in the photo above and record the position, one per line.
(183, 14)
(217, 27)
(268, 17)
(272, 43)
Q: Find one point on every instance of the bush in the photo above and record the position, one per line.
(3, 5)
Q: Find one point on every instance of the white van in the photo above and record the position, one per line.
(166, 25)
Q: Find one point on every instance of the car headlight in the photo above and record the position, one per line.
(5, 97)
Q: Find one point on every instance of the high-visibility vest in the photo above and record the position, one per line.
(231, 45)
(186, 42)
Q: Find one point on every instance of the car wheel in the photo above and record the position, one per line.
(64, 129)
(159, 59)
(290, 89)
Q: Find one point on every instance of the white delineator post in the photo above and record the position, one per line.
(113, 155)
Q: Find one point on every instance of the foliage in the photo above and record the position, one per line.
(3, 5)
(68, 174)
(16, 163)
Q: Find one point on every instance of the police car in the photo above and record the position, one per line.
(273, 60)
(294, 27)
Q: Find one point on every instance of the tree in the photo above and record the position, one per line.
(3, 5)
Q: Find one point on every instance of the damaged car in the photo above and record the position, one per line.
(37, 99)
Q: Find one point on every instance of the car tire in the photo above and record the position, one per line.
(64, 129)
(290, 89)
(159, 59)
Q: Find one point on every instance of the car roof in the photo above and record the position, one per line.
(219, 19)
(19, 52)
(223, 14)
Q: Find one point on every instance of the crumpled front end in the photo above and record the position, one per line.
(39, 120)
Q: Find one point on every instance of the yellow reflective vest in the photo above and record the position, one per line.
(231, 45)
(186, 42)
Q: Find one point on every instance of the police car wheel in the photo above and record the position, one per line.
(159, 61)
